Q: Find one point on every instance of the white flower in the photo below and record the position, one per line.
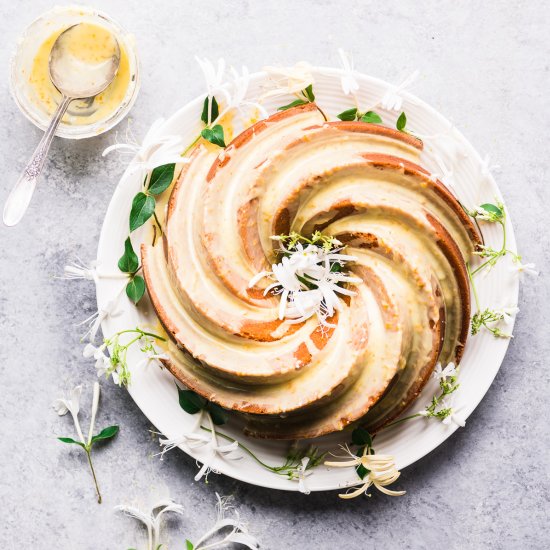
(301, 474)
(508, 314)
(79, 270)
(71, 404)
(94, 321)
(453, 417)
(103, 362)
(239, 532)
(198, 438)
(486, 167)
(524, 269)
(157, 149)
(152, 518)
(347, 80)
(383, 472)
(289, 80)
(392, 99)
(442, 373)
(233, 93)
(313, 263)
(214, 76)
(95, 404)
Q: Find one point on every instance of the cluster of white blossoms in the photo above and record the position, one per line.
(308, 282)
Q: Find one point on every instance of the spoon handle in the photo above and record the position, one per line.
(21, 194)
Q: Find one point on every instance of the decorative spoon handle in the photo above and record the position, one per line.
(21, 194)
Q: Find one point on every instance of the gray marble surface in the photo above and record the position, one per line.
(484, 65)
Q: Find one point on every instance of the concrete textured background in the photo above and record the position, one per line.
(485, 65)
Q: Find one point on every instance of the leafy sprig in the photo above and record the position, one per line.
(401, 123)
(72, 405)
(326, 242)
(487, 318)
(192, 403)
(118, 351)
(355, 114)
(305, 96)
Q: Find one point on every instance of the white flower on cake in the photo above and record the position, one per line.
(381, 472)
(156, 149)
(309, 278)
(392, 99)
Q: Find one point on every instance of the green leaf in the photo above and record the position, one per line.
(361, 437)
(143, 207)
(492, 209)
(190, 401)
(295, 103)
(219, 416)
(188, 545)
(72, 441)
(129, 262)
(161, 178)
(372, 117)
(308, 92)
(135, 289)
(106, 433)
(215, 111)
(361, 471)
(214, 135)
(350, 114)
(401, 122)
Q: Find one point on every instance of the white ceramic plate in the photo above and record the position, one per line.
(153, 389)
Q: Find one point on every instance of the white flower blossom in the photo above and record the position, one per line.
(486, 167)
(208, 441)
(301, 474)
(392, 99)
(313, 263)
(71, 404)
(91, 272)
(382, 472)
(156, 149)
(233, 92)
(94, 321)
(453, 417)
(442, 373)
(103, 362)
(239, 532)
(152, 518)
(288, 80)
(524, 269)
(508, 314)
(348, 79)
(213, 75)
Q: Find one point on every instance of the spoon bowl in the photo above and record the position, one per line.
(79, 72)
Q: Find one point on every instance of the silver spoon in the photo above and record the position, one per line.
(75, 79)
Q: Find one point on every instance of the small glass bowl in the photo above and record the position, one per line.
(57, 19)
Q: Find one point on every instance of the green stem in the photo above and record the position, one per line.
(395, 422)
(470, 276)
(89, 455)
(142, 333)
(274, 469)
